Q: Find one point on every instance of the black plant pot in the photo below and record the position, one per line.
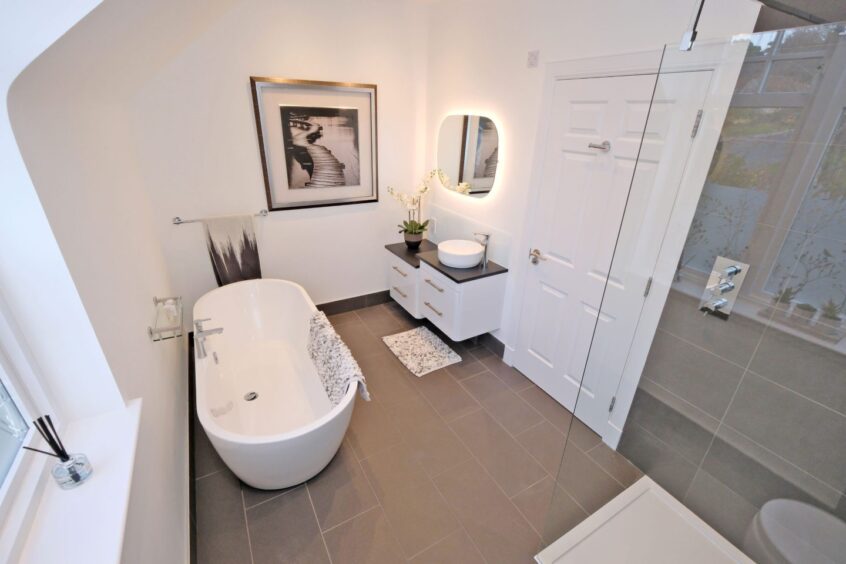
(413, 241)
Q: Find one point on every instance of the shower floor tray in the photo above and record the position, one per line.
(642, 524)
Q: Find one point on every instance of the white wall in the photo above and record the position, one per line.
(34, 279)
(477, 55)
(195, 131)
(68, 110)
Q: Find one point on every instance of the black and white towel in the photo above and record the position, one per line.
(232, 248)
(333, 360)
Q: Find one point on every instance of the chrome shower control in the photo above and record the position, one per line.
(723, 287)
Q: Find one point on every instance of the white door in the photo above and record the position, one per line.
(585, 193)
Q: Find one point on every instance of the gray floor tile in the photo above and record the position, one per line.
(366, 539)
(615, 464)
(387, 379)
(504, 459)
(484, 385)
(285, 530)
(507, 374)
(379, 320)
(552, 411)
(341, 490)
(394, 469)
(254, 496)
(494, 524)
(435, 446)
(549, 509)
(457, 548)
(360, 340)
(418, 515)
(446, 395)
(468, 366)
(546, 444)
(371, 429)
(512, 412)
(585, 480)
(221, 527)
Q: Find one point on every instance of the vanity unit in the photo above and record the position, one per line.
(461, 302)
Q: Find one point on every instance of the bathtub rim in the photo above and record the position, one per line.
(211, 426)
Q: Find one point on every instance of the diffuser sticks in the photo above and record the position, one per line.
(72, 469)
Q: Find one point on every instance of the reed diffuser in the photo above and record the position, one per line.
(72, 469)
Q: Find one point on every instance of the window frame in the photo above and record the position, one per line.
(20, 489)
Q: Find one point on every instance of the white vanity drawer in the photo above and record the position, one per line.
(439, 298)
(403, 285)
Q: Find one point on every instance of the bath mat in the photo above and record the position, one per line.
(421, 351)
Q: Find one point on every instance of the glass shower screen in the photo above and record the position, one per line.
(716, 366)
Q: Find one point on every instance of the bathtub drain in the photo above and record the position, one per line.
(250, 396)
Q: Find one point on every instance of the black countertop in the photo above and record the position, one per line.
(410, 256)
(460, 275)
(428, 253)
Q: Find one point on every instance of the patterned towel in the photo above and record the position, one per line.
(334, 361)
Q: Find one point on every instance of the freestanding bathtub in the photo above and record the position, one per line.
(259, 397)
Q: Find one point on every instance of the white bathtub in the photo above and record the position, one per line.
(290, 432)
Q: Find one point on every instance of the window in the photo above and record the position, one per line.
(13, 429)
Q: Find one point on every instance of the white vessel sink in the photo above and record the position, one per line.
(460, 253)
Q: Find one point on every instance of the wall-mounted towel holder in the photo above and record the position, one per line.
(179, 221)
(168, 324)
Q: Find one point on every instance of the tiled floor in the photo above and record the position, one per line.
(461, 465)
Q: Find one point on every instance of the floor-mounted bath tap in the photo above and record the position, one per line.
(200, 335)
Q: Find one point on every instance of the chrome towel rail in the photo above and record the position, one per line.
(179, 221)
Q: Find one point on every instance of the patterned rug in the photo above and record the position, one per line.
(421, 351)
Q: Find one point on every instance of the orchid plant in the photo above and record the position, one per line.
(413, 205)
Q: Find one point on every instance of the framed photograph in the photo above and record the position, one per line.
(317, 142)
(479, 153)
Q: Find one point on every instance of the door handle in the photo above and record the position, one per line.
(536, 256)
(604, 146)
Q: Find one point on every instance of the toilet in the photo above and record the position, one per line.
(786, 531)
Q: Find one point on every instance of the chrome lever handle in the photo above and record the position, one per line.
(536, 256)
(604, 146)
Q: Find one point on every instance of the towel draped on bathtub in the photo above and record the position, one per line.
(333, 360)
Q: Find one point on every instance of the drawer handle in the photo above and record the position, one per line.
(403, 274)
(435, 286)
(427, 304)
(400, 292)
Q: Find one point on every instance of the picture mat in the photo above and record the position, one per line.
(271, 98)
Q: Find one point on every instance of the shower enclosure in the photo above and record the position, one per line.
(732, 392)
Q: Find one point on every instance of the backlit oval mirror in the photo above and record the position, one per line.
(468, 150)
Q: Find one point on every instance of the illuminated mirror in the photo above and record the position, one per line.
(468, 151)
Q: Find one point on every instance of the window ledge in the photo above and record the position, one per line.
(87, 523)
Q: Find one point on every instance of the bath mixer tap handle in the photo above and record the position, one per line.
(198, 323)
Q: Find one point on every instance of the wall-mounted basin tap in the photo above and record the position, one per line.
(482, 239)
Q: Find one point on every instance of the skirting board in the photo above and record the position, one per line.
(642, 524)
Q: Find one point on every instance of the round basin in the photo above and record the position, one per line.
(460, 253)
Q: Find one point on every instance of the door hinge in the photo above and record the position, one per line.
(696, 123)
(648, 287)
(611, 407)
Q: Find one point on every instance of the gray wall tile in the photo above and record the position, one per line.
(734, 339)
(803, 432)
(703, 379)
(661, 463)
(679, 432)
(811, 370)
